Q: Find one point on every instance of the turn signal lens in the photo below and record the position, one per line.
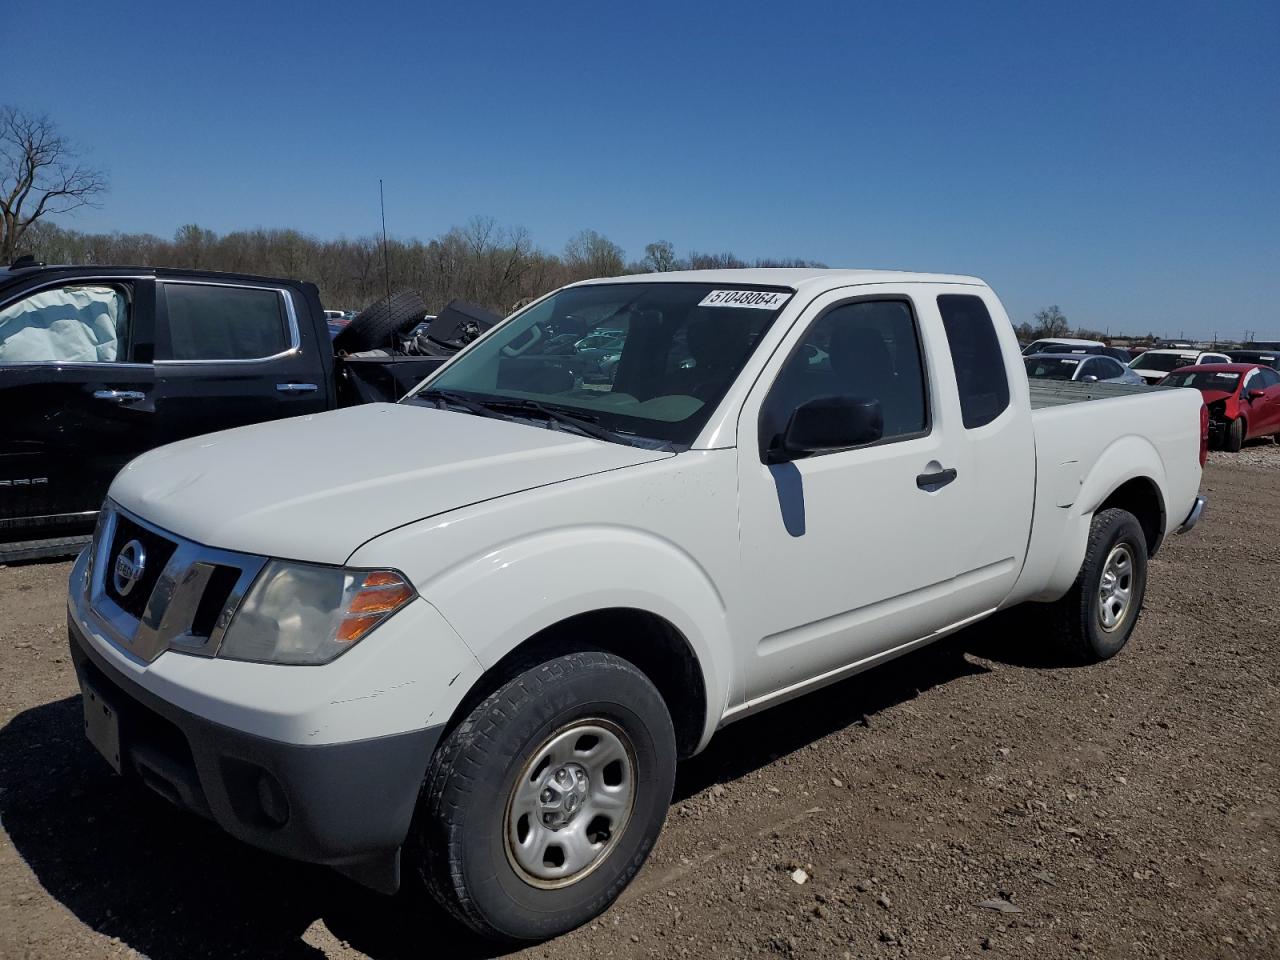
(382, 593)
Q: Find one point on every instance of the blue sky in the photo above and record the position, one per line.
(1117, 159)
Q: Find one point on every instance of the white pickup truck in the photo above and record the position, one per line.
(475, 630)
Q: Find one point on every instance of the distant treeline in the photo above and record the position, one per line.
(483, 262)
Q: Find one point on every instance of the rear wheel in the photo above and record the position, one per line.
(543, 803)
(1099, 612)
(1235, 436)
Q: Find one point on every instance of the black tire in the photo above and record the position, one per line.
(460, 834)
(1234, 439)
(1078, 616)
(376, 326)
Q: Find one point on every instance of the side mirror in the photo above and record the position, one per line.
(1089, 378)
(829, 423)
(1256, 394)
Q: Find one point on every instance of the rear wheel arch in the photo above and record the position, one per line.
(648, 641)
(1141, 497)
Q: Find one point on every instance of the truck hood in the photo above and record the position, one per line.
(316, 487)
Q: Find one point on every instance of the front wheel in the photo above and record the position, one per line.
(543, 803)
(1235, 436)
(1099, 612)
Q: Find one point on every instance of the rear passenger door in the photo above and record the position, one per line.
(992, 522)
(230, 354)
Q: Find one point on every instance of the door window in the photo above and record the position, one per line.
(976, 356)
(80, 323)
(869, 348)
(1268, 378)
(208, 322)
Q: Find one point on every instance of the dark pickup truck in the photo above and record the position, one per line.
(98, 364)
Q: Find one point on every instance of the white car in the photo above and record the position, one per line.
(470, 634)
(1153, 365)
(1078, 367)
(1057, 345)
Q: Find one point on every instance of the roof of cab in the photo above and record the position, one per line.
(796, 278)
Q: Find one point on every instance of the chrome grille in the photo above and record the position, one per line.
(184, 598)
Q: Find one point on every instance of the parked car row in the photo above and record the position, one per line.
(1241, 388)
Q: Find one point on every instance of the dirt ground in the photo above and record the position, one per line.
(1125, 810)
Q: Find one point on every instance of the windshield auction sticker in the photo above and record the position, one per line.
(755, 299)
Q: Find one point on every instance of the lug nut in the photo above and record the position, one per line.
(547, 796)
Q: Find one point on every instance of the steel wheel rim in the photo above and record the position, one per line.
(570, 803)
(1115, 589)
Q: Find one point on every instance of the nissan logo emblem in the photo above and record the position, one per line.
(131, 561)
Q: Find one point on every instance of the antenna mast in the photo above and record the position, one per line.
(386, 257)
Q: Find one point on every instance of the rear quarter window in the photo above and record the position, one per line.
(981, 377)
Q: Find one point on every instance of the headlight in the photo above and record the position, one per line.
(303, 613)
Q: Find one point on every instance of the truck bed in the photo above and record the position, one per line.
(1054, 393)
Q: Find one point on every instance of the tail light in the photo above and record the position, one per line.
(1204, 434)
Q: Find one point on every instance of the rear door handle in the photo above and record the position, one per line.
(929, 482)
(296, 387)
(120, 396)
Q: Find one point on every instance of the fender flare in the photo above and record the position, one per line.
(1141, 462)
(497, 600)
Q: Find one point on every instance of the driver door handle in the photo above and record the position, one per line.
(296, 387)
(119, 396)
(929, 482)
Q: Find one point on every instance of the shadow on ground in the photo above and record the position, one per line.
(174, 887)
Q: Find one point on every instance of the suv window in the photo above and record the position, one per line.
(81, 323)
(975, 354)
(869, 348)
(208, 322)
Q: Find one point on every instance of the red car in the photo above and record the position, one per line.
(1243, 399)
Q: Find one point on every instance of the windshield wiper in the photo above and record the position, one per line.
(584, 422)
(502, 407)
(458, 400)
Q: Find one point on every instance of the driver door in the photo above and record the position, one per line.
(847, 554)
(77, 389)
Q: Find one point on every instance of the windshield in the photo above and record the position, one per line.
(1051, 368)
(646, 362)
(1163, 361)
(1227, 380)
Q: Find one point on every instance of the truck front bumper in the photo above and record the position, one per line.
(345, 805)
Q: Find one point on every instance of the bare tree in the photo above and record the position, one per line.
(1051, 322)
(659, 257)
(589, 254)
(39, 176)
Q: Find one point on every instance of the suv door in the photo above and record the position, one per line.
(78, 393)
(230, 354)
(846, 554)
